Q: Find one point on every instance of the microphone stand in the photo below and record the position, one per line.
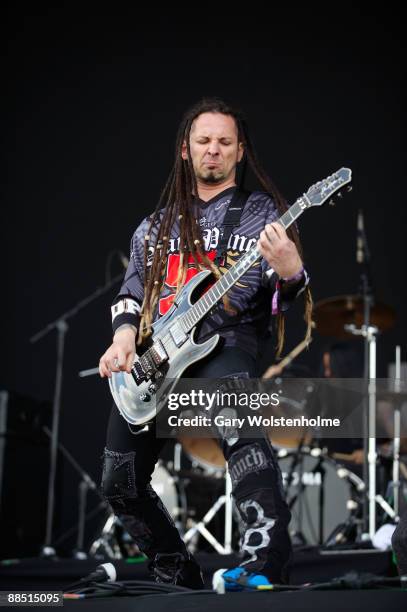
(86, 484)
(61, 326)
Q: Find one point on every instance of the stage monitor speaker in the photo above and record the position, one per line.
(24, 470)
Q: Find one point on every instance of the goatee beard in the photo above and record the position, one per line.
(211, 179)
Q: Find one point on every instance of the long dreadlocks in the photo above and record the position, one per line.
(178, 201)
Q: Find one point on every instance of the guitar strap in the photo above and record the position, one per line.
(231, 220)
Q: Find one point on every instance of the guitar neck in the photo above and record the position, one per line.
(227, 280)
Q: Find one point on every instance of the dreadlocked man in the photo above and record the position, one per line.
(213, 150)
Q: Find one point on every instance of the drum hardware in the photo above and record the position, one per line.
(359, 483)
(397, 434)
(200, 526)
(207, 461)
(358, 315)
(113, 542)
(396, 442)
(103, 542)
(397, 396)
(369, 333)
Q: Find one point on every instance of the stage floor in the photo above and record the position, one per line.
(311, 565)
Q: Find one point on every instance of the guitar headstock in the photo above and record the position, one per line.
(324, 190)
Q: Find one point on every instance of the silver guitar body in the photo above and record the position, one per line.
(169, 351)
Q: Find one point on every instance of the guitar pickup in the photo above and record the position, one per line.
(177, 334)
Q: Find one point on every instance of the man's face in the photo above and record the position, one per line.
(214, 146)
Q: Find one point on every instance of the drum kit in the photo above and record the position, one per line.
(325, 490)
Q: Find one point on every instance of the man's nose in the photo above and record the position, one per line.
(213, 148)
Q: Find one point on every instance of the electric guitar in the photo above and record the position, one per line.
(171, 348)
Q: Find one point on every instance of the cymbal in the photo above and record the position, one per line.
(332, 314)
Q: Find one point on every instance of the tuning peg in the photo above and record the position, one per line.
(331, 202)
(349, 188)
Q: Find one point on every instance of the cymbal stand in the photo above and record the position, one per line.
(368, 332)
(396, 442)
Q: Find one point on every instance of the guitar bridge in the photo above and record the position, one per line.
(147, 365)
(138, 373)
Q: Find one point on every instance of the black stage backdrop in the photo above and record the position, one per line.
(94, 102)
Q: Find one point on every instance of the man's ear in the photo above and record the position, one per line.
(240, 152)
(184, 150)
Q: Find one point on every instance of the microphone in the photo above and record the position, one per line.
(360, 228)
(106, 572)
(124, 260)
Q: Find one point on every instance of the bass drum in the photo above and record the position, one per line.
(204, 455)
(324, 497)
(165, 485)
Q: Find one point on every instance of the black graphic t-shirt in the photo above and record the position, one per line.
(250, 297)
